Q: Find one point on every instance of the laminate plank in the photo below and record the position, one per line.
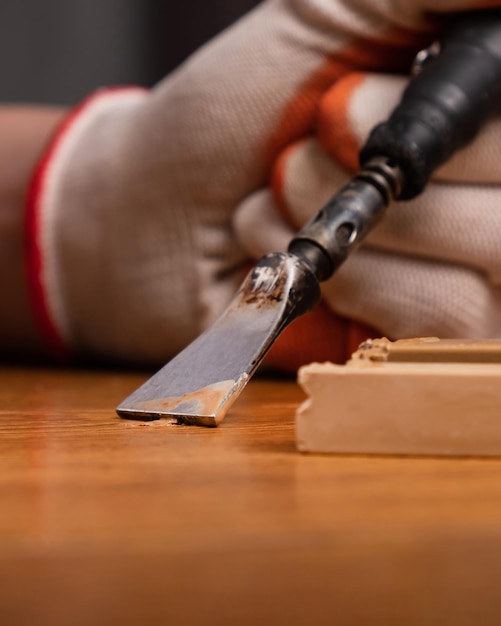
(107, 521)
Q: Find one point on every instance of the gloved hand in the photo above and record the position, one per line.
(132, 240)
(432, 266)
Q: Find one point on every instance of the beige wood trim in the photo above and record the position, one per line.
(399, 398)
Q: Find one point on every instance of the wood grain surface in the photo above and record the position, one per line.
(105, 521)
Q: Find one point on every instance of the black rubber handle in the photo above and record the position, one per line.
(443, 108)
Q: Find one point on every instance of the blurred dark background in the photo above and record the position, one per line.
(57, 51)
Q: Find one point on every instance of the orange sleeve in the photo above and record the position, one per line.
(318, 336)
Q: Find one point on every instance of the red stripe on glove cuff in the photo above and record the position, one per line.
(33, 246)
(35, 259)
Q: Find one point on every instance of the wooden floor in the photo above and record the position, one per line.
(105, 521)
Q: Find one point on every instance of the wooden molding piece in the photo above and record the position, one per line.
(419, 396)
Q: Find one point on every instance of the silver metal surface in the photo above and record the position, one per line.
(199, 385)
(423, 57)
(344, 222)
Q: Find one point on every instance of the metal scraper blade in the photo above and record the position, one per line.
(199, 385)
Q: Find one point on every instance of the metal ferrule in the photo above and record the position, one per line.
(348, 217)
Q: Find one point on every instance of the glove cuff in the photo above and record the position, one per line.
(42, 207)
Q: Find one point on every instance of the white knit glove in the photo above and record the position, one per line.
(132, 248)
(433, 265)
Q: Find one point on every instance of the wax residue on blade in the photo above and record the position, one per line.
(206, 406)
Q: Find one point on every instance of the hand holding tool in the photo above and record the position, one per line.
(132, 234)
(441, 111)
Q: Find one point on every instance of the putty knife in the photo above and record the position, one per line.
(441, 111)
